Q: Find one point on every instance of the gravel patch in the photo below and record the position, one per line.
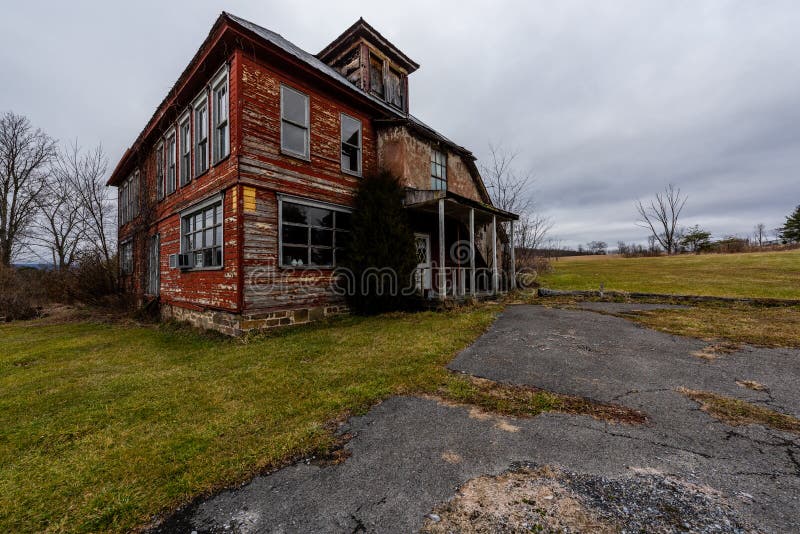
(531, 498)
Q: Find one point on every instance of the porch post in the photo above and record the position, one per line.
(495, 284)
(513, 258)
(442, 273)
(472, 251)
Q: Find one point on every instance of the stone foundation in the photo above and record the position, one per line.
(234, 324)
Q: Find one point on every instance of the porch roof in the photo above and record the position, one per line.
(455, 205)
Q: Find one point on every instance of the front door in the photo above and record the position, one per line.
(423, 274)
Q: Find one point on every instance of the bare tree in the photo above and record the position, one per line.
(59, 225)
(24, 155)
(760, 234)
(530, 232)
(661, 217)
(512, 190)
(84, 174)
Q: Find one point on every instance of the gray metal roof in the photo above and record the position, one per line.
(310, 59)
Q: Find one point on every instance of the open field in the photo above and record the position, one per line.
(756, 275)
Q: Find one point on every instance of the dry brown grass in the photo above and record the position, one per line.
(526, 401)
(740, 323)
(737, 412)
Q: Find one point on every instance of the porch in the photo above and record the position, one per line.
(459, 246)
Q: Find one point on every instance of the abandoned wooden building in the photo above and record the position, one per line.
(232, 197)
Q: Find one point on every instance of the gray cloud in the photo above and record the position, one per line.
(606, 102)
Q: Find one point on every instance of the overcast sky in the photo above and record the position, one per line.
(606, 102)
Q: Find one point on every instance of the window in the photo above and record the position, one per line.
(376, 75)
(396, 90)
(133, 210)
(186, 151)
(171, 148)
(221, 144)
(438, 170)
(312, 234)
(201, 136)
(294, 122)
(201, 232)
(128, 198)
(126, 257)
(160, 171)
(351, 144)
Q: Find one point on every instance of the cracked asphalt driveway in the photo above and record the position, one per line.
(410, 455)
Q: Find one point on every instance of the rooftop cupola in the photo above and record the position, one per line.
(372, 63)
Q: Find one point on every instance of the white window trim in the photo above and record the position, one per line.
(172, 133)
(163, 195)
(307, 155)
(200, 101)
(310, 203)
(184, 118)
(221, 78)
(203, 204)
(360, 142)
(124, 243)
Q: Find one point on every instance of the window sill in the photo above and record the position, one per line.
(351, 173)
(222, 159)
(308, 267)
(201, 269)
(295, 155)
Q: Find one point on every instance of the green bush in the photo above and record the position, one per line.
(381, 244)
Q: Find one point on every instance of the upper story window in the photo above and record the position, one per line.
(396, 89)
(221, 141)
(376, 75)
(201, 135)
(438, 170)
(351, 144)
(294, 122)
(201, 234)
(171, 163)
(128, 199)
(312, 234)
(160, 171)
(186, 150)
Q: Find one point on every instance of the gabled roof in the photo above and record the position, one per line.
(361, 29)
(276, 41)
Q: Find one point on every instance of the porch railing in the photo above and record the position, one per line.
(457, 282)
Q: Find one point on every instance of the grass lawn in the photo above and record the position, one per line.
(756, 275)
(102, 426)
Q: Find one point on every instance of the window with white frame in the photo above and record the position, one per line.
(201, 135)
(185, 165)
(128, 198)
(438, 170)
(221, 142)
(351, 144)
(201, 235)
(312, 235)
(160, 171)
(171, 163)
(294, 122)
(134, 195)
(126, 257)
(122, 202)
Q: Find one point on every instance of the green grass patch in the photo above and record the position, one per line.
(102, 426)
(752, 275)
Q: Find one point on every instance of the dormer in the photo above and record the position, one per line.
(371, 63)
